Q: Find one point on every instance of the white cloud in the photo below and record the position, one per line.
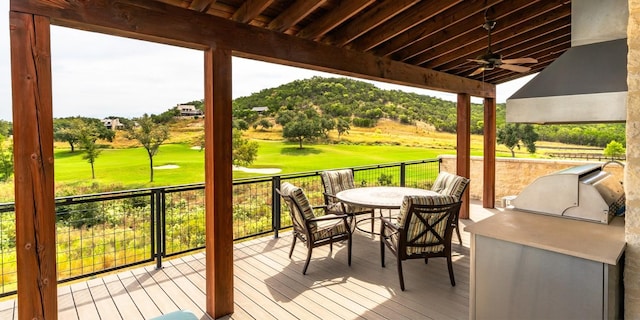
(96, 75)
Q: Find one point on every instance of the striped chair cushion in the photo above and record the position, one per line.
(300, 198)
(450, 184)
(337, 180)
(328, 229)
(416, 226)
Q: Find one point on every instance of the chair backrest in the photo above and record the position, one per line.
(450, 185)
(335, 181)
(427, 222)
(299, 208)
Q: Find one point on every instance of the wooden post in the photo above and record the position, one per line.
(463, 147)
(33, 166)
(218, 183)
(489, 176)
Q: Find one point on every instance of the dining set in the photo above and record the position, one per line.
(414, 223)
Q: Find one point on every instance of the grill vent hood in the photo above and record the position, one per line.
(588, 83)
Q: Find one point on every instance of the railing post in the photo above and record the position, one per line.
(158, 202)
(403, 172)
(275, 206)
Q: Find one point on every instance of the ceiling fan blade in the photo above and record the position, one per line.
(477, 71)
(478, 61)
(520, 60)
(514, 68)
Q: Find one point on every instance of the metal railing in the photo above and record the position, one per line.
(103, 232)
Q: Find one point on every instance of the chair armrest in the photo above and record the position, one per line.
(335, 199)
(331, 217)
(323, 207)
(387, 223)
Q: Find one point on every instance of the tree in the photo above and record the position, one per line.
(6, 158)
(302, 128)
(512, 135)
(70, 129)
(264, 123)
(327, 123)
(342, 126)
(64, 130)
(87, 138)
(614, 149)
(151, 135)
(244, 152)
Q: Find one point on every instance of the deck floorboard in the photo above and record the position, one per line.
(270, 285)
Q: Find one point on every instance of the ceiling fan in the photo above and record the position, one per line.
(490, 60)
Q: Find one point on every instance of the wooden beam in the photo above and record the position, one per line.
(541, 35)
(489, 163)
(218, 183)
(401, 23)
(363, 23)
(172, 25)
(250, 9)
(293, 14)
(33, 166)
(432, 26)
(201, 5)
(463, 147)
(511, 24)
(335, 17)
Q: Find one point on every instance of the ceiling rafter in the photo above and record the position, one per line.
(366, 21)
(432, 26)
(187, 28)
(250, 9)
(553, 30)
(293, 14)
(458, 32)
(429, 35)
(330, 20)
(402, 22)
(540, 51)
(201, 5)
(513, 23)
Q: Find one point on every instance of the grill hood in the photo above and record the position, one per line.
(587, 83)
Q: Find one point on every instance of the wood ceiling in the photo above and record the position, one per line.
(438, 34)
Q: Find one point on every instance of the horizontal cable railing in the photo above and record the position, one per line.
(103, 232)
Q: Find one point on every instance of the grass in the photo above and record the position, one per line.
(131, 166)
(125, 165)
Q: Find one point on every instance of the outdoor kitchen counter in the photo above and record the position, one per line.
(534, 266)
(582, 239)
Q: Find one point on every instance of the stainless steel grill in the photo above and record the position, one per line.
(584, 192)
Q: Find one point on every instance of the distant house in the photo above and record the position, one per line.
(187, 110)
(259, 109)
(112, 124)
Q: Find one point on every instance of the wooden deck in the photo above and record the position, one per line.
(269, 285)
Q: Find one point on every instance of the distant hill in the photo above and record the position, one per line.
(363, 103)
(360, 101)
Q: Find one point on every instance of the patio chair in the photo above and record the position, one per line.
(335, 181)
(451, 185)
(423, 230)
(313, 230)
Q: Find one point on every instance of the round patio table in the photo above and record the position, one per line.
(379, 198)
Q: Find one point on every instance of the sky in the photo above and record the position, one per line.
(96, 75)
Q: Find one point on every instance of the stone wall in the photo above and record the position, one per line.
(514, 174)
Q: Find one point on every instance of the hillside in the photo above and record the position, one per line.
(365, 105)
(375, 116)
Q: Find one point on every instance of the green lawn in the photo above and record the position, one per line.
(131, 166)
